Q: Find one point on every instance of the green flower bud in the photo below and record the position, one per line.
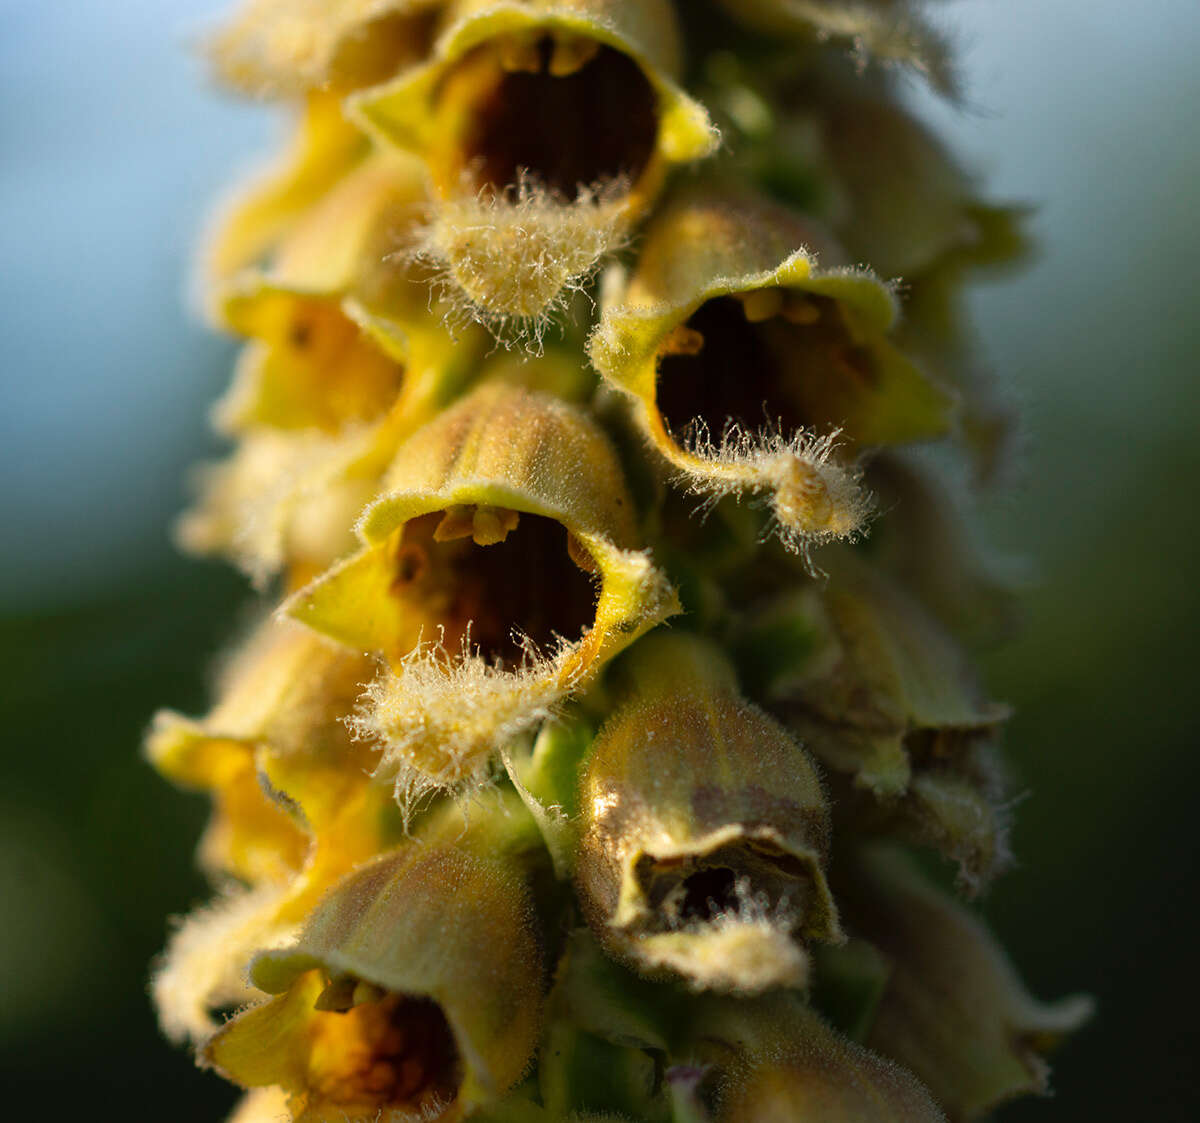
(729, 331)
(548, 128)
(776, 1061)
(883, 696)
(953, 1009)
(705, 829)
(415, 987)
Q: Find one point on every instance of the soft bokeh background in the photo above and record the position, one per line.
(111, 149)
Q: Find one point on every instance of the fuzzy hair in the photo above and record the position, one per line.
(745, 949)
(813, 499)
(512, 260)
(204, 964)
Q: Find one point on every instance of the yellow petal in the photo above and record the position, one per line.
(507, 115)
(284, 47)
(253, 221)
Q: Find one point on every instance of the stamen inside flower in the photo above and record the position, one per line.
(502, 575)
(394, 1052)
(565, 112)
(770, 357)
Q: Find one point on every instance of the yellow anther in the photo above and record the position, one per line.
(520, 53)
(458, 522)
(762, 304)
(800, 309)
(682, 340)
(492, 525)
(572, 53)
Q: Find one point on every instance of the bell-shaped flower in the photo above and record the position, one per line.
(499, 573)
(705, 828)
(342, 330)
(774, 1060)
(414, 990)
(294, 807)
(749, 350)
(548, 129)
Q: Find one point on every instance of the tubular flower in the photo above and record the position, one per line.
(779, 1062)
(548, 128)
(414, 987)
(451, 585)
(953, 1009)
(730, 326)
(253, 221)
(546, 789)
(706, 829)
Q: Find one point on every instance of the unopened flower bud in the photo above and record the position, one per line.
(705, 829)
(953, 1009)
(730, 331)
(497, 578)
(415, 987)
(890, 31)
(883, 696)
(775, 1061)
(548, 128)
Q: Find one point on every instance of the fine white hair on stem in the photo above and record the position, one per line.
(813, 498)
(440, 720)
(513, 259)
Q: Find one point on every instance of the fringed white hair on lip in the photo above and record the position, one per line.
(440, 721)
(512, 259)
(813, 499)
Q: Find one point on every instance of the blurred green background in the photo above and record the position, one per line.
(113, 149)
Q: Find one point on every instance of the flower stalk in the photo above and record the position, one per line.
(608, 682)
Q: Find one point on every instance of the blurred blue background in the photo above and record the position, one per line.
(112, 149)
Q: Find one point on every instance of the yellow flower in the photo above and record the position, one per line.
(548, 127)
(252, 222)
(499, 574)
(730, 329)
(294, 806)
(415, 987)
